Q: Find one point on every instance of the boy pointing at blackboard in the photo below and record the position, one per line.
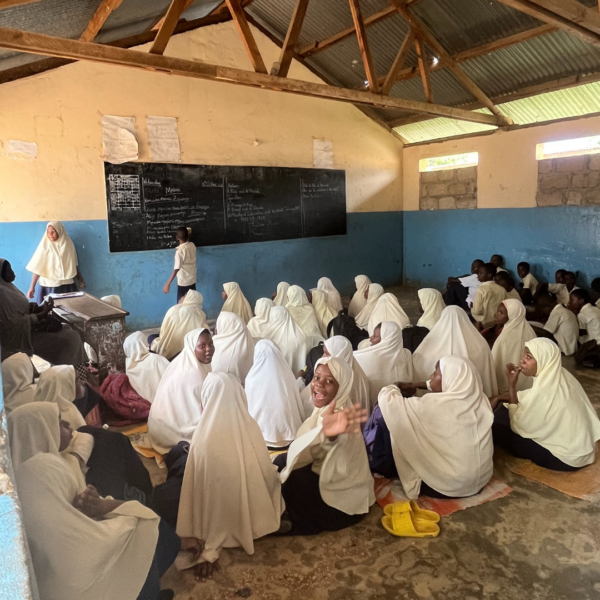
(185, 264)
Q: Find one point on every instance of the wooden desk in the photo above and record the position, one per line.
(99, 324)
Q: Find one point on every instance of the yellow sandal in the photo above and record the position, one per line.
(406, 525)
(411, 506)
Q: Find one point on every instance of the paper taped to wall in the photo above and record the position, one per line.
(21, 150)
(163, 139)
(118, 139)
(322, 154)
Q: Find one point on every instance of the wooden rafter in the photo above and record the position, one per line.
(363, 44)
(282, 67)
(168, 24)
(35, 43)
(573, 11)
(398, 63)
(239, 18)
(11, 3)
(104, 11)
(424, 69)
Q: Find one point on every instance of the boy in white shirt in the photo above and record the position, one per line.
(561, 323)
(589, 328)
(508, 283)
(460, 291)
(528, 282)
(560, 288)
(487, 297)
(498, 262)
(185, 264)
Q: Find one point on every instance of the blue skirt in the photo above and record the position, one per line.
(61, 289)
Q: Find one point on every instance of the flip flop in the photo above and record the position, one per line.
(406, 525)
(411, 506)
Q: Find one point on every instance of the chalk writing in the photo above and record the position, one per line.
(124, 192)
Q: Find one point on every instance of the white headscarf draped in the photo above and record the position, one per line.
(176, 410)
(234, 347)
(445, 438)
(387, 309)
(57, 260)
(144, 369)
(281, 298)
(433, 305)
(231, 494)
(455, 335)
(323, 311)
(386, 362)
(180, 320)
(362, 318)
(75, 556)
(345, 481)
(113, 300)
(258, 324)
(333, 296)
(236, 302)
(556, 412)
(288, 336)
(303, 313)
(509, 346)
(57, 385)
(358, 301)
(273, 396)
(17, 381)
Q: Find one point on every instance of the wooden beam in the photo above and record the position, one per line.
(363, 44)
(239, 18)
(282, 67)
(424, 69)
(573, 11)
(398, 63)
(95, 25)
(11, 3)
(36, 43)
(169, 22)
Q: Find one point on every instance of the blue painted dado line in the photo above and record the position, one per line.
(438, 244)
(373, 246)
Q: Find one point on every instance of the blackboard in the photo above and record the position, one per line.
(222, 204)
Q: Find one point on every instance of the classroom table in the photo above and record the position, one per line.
(99, 324)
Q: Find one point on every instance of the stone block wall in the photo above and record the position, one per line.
(572, 180)
(448, 189)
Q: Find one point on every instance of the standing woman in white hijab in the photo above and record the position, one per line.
(304, 315)
(333, 296)
(288, 336)
(387, 309)
(234, 346)
(553, 424)
(455, 335)
(17, 381)
(326, 482)
(509, 345)
(273, 397)
(359, 301)
(432, 305)
(54, 264)
(176, 409)
(231, 494)
(325, 314)
(235, 301)
(386, 360)
(259, 323)
(144, 368)
(373, 293)
(280, 297)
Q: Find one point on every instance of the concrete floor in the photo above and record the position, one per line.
(534, 544)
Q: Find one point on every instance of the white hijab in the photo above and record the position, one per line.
(288, 336)
(345, 481)
(144, 369)
(323, 311)
(509, 346)
(387, 309)
(445, 438)
(386, 362)
(54, 260)
(236, 302)
(281, 298)
(75, 556)
(303, 313)
(234, 347)
(358, 301)
(17, 381)
(333, 296)
(176, 409)
(258, 324)
(433, 305)
(362, 318)
(231, 494)
(273, 397)
(180, 320)
(556, 412)
(455, 335)
(57, 385)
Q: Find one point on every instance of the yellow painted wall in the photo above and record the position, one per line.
(218, 124)
(507, 173)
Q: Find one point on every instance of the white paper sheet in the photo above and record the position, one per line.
(118, 139)
(322, 154)
(21, 150)
(163, 139)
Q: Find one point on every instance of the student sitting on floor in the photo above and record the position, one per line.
(431, 305)
(552, 424)
(588, 316)
(559, 289)
(460, 291)
(498, 261)
(508, 283)
(571, 281)
(528, 282)
(487, 297)
(562, 323)
(235, 301)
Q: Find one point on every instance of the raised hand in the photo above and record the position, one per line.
(347, 420)
(512, 373)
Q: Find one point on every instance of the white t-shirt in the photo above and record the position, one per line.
(472, 282)
(589, 319)
(561, 291)
(530, 283)
(563, 325)
(51, 283)
(185, 261)
(498, 269)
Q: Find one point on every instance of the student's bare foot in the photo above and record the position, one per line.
(205, 570)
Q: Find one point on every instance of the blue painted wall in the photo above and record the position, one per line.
(373, 246)
(438, 244)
